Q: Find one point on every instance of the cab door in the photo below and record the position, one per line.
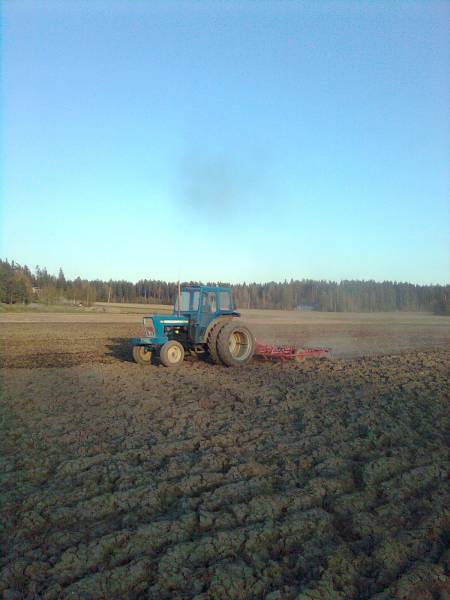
(194, 319)
(208, 310)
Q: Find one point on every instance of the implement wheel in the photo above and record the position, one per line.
(235, 344)
(212, 341)
(142, 355)
(172, 354)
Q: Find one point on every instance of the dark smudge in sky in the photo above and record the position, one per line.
(214, 188)
(207, 186)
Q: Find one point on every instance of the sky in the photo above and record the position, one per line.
(231, 141)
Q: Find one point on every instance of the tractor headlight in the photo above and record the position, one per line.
(148, 326)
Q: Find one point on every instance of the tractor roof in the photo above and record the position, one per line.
(206, 288)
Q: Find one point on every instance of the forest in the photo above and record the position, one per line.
(19, 285)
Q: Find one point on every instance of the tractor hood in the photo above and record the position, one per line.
(161, 321)
(154, 327)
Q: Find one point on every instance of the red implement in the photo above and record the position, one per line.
(267, 352)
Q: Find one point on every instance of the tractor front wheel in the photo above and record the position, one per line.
(142, 355)
(172, 354)
(235, 344)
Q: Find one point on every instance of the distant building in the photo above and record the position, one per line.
(36, 290)
(305, 307)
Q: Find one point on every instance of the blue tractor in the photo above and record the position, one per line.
(204, 321)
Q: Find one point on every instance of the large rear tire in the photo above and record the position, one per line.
(235, 344)
(142, 355)
(172, 354)
(212, 341)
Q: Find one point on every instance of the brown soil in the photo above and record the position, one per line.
(316, 480)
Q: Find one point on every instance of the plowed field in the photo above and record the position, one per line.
(316, 480)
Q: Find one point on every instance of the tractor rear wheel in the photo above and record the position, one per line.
(235, 344)
(212, 341)
(172, 354)
(142, 355)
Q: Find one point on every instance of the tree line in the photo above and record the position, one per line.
(19, 285)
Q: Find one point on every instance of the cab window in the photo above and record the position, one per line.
(195, 300)
(189, 300)
(225, 301)
(209, 303)
(185, 297)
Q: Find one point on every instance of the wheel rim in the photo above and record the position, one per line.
(174, 354)
(240, 344)
(144, 354)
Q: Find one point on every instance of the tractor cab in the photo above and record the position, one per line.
(193, 325)
(202, 305)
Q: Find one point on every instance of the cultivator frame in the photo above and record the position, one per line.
(268, 352)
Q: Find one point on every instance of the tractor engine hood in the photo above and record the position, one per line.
(155, 327)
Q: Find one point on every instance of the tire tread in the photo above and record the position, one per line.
(212, 341)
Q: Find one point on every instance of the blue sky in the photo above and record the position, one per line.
(227, 140)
